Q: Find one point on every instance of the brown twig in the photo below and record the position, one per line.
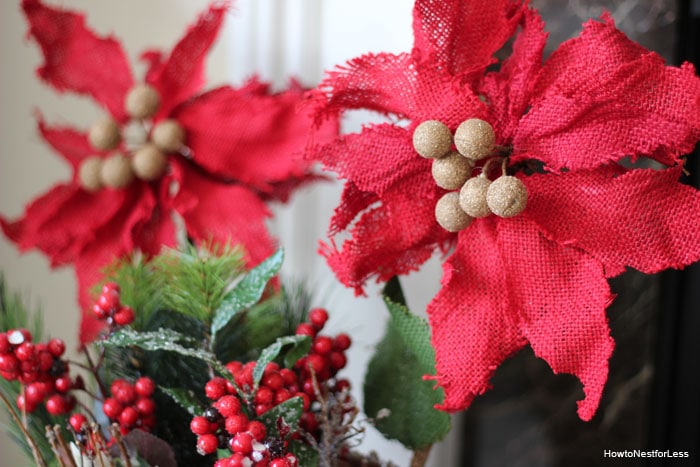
(64, 446)
(420, 457)
(35, 449)
(117, 437)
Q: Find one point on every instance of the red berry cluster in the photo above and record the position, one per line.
(109, 307)
(40, 370)
(131, 405)
(228, 424)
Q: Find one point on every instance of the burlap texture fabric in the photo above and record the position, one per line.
(540, 278)
(243, 147)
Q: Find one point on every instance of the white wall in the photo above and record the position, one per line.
(276, 39)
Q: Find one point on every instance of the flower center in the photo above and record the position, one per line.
(145, 156)
(474, 143)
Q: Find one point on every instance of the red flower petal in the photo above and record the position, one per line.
(561, 295)
(645, 108)
(379, 159)
(643, 218)
(353, 201)
(78, 60)
(182, 75)
(250, 137)
(473, 328)
(462, 34)
(63, 220)
(391, 239)
(508, 90)
(68, 142)
(224, 213)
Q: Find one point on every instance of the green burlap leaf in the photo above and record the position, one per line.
(394, 380)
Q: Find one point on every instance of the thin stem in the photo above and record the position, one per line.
(420, 457)
(117, 436)
(95, 371)
(64, 446)
(51, 436)
(35, 449)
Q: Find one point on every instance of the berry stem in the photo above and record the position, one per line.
(35, 450)
(117, 437)
(95, 371)
(420, 457)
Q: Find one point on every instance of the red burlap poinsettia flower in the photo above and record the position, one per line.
(540, 277)
(234, 149)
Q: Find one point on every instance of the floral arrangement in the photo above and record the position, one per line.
(537, 180)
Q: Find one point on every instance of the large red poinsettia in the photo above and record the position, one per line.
(220, 154)
(567, 128)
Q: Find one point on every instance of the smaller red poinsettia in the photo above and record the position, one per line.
(165, 149)
(520, 170)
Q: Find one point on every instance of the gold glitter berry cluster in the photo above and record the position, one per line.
(143, 156)
(474, 141)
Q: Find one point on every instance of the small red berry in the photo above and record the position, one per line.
(144, 386)
(257, 430)
(111, 287)
(215, 388)
(281, 396)
(234, 366)
(279, 462)
(306, 400)
(242, 443)
(200, 425)
(308, 422)
(264, 395)
(23, 404)
(128, 417)
(273, 381)
(306, 329)
(57, 405)
(25, 352)
(262, 408)
(35, 393)
(338, 360)
(77, 421)
(9, 363)
(5, 346)
(342, 342)
(124, 316)
(109, 301)
(56, 346)
(318, 317)
(228, 406)
(123, 391)
(342, 384)
(45, 360)
(322, 345)
(238, 460)
(112, 408)
(315, 362)
(288, 376)
(236, 424)
(100, 312)
(207, 444)
(63, 384)
(145, 406)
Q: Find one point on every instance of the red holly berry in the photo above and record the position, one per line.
(318, 317)
(144, 386)
(316, 363)
(35, 393)
(342, 342)
(236, 424)
(228, 406)
(200, 425)
(145, 406)
(128, 417)
(215, 388)
(25, 406)
(77, 421)
(238, 460)
(112, 408)
(279, 462)
(257, 430)
(124, 316)
(322, 345)
(9, 363)
(123, 391)
(273, 381)
(5, 346)
(264, 395)
(100, 312)
(25, 352)
(207, 444)
(306, 329)
(56, 347)
(111, 287)
(338, 360)
(57, 405)
(109, 301)
(242, 443)
(45, 361)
